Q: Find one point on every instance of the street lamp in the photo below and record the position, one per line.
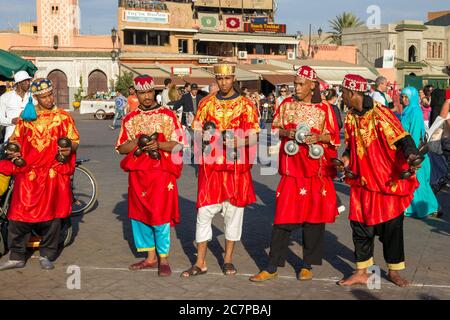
(319, 32)
(114, 36)
(114, 55)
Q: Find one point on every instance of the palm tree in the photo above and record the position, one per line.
(345, 20)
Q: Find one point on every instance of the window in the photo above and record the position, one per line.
(412, 54)
(35, 29)
(182, 46)
(141, 38)
(378, 50)
(146, 38)
(429, 50)
(434, 50)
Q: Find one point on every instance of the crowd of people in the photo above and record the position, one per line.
(387, 163)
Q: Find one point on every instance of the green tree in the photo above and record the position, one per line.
(124, 81)
(78, 95)
(345, 20)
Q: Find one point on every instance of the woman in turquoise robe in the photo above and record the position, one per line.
(424, 202)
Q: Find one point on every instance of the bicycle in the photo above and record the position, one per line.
(84, 189)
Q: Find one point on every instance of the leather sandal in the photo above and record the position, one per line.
(193, 271)
(143, 265)
(164, 270)
(229, 269)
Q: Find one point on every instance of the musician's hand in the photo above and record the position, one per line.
(411, 159)
(346, 161)
(312, 138)
(151, 146)
(290, 134)
(12, 155)
(230, 143)
(207, 136)
(65, 152)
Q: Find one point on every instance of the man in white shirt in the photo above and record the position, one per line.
(165, 93)
(12, 103)
(380, 94)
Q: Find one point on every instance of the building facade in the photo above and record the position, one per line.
(420, 51)
(198, 33)
(54, 44)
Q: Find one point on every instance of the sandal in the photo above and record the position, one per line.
(193, 271)
(143, 265)
(229, 269)
(164, 270)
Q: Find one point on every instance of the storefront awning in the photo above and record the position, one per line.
(336, 75)
(161, 72)
(278, 79)
(245, 38)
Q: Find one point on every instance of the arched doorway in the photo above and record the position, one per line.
(60, 88)
(97, 82)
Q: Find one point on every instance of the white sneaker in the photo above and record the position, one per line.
(12, 264)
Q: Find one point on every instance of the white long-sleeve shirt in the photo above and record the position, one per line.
(11, 106)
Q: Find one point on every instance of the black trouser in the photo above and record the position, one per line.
(313, 235)
(19, 235)
(391, 236)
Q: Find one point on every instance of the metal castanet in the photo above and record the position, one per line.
(410, 172)
(291, 148)
(143, 141)
(63, 142)
(348, 173)
(210, 127)
(231, 152)
(14, 148)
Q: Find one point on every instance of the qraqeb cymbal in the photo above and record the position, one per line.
(143, 141)
(14, 148)
(63, 142)
(409, 173)
(348, 173)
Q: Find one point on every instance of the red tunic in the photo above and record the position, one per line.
(378, 195)
(152, 188)
(306, 191)
(42, 190)
(220, 179)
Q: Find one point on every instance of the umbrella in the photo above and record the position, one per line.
(11, 63)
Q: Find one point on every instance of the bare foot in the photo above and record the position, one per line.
(357, 278)
(395, 278)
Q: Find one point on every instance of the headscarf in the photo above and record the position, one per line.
(412, 116)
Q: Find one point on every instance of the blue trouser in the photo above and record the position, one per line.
(148, 238)
(119, 113)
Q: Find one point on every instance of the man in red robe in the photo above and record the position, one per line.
(378, 151)
(42, 194)
(152, 192)
(224, 181)
(305, 196)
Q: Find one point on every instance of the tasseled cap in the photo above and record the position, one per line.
(41, 86)
(307, 72)
(144, 83)
(355, 82)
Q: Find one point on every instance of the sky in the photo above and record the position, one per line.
(99, 16)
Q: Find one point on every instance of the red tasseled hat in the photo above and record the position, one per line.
(355, 82)
(307, 72)
(144, 83)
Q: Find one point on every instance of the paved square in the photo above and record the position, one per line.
(103, 248)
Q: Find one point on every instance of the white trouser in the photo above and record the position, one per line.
(233, 218)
